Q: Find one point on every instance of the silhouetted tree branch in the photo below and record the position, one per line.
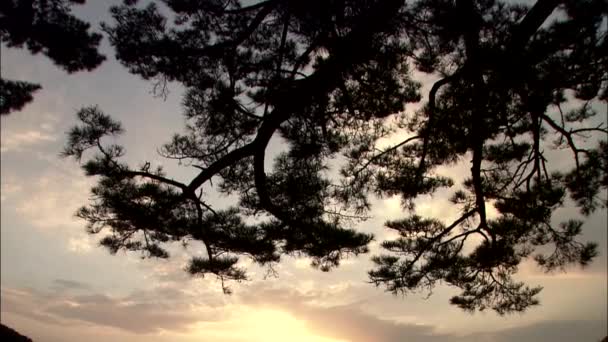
(328, 80)
(48, 27)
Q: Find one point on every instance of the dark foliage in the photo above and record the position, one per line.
(15, 94)
(329, 79)
(48, 27)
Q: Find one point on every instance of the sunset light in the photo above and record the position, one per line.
(304, 171)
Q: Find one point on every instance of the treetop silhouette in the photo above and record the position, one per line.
(48, 27)
(331, 79)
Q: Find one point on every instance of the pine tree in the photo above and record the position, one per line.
(48, 27)
(330, 79)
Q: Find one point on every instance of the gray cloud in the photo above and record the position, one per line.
(174, 309)
(549, 331)
(134, 317)
(66, 284)
(141, 313)
(22, 303)
(352, 323)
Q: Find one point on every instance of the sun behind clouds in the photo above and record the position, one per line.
(265, 325)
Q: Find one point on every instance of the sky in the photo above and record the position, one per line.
(58, 285)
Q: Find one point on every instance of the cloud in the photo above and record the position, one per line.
(65, 284)
(17, 141)
(345, 322)
(144, 312)
(179, 311)
(23, 303)
(135, 317)
(352, 323)
(50, 200)
(548, 331)
(9, 187)
(80, 245)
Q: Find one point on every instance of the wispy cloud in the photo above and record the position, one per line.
(8, 188)
(17, 141)
(351, 322)
(51, 200)
(184, 313)
(344, 322)
(80, 245)
(142, 313)
(66, 284)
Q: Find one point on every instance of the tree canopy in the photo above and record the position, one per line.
(330, 80)
(48, 27)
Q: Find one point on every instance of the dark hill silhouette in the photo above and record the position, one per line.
(9, 335)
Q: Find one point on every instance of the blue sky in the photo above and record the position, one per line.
(57, 285)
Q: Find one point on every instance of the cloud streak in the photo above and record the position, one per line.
(147, 312)
(17, 141)
(352, 323)
(174, 312)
